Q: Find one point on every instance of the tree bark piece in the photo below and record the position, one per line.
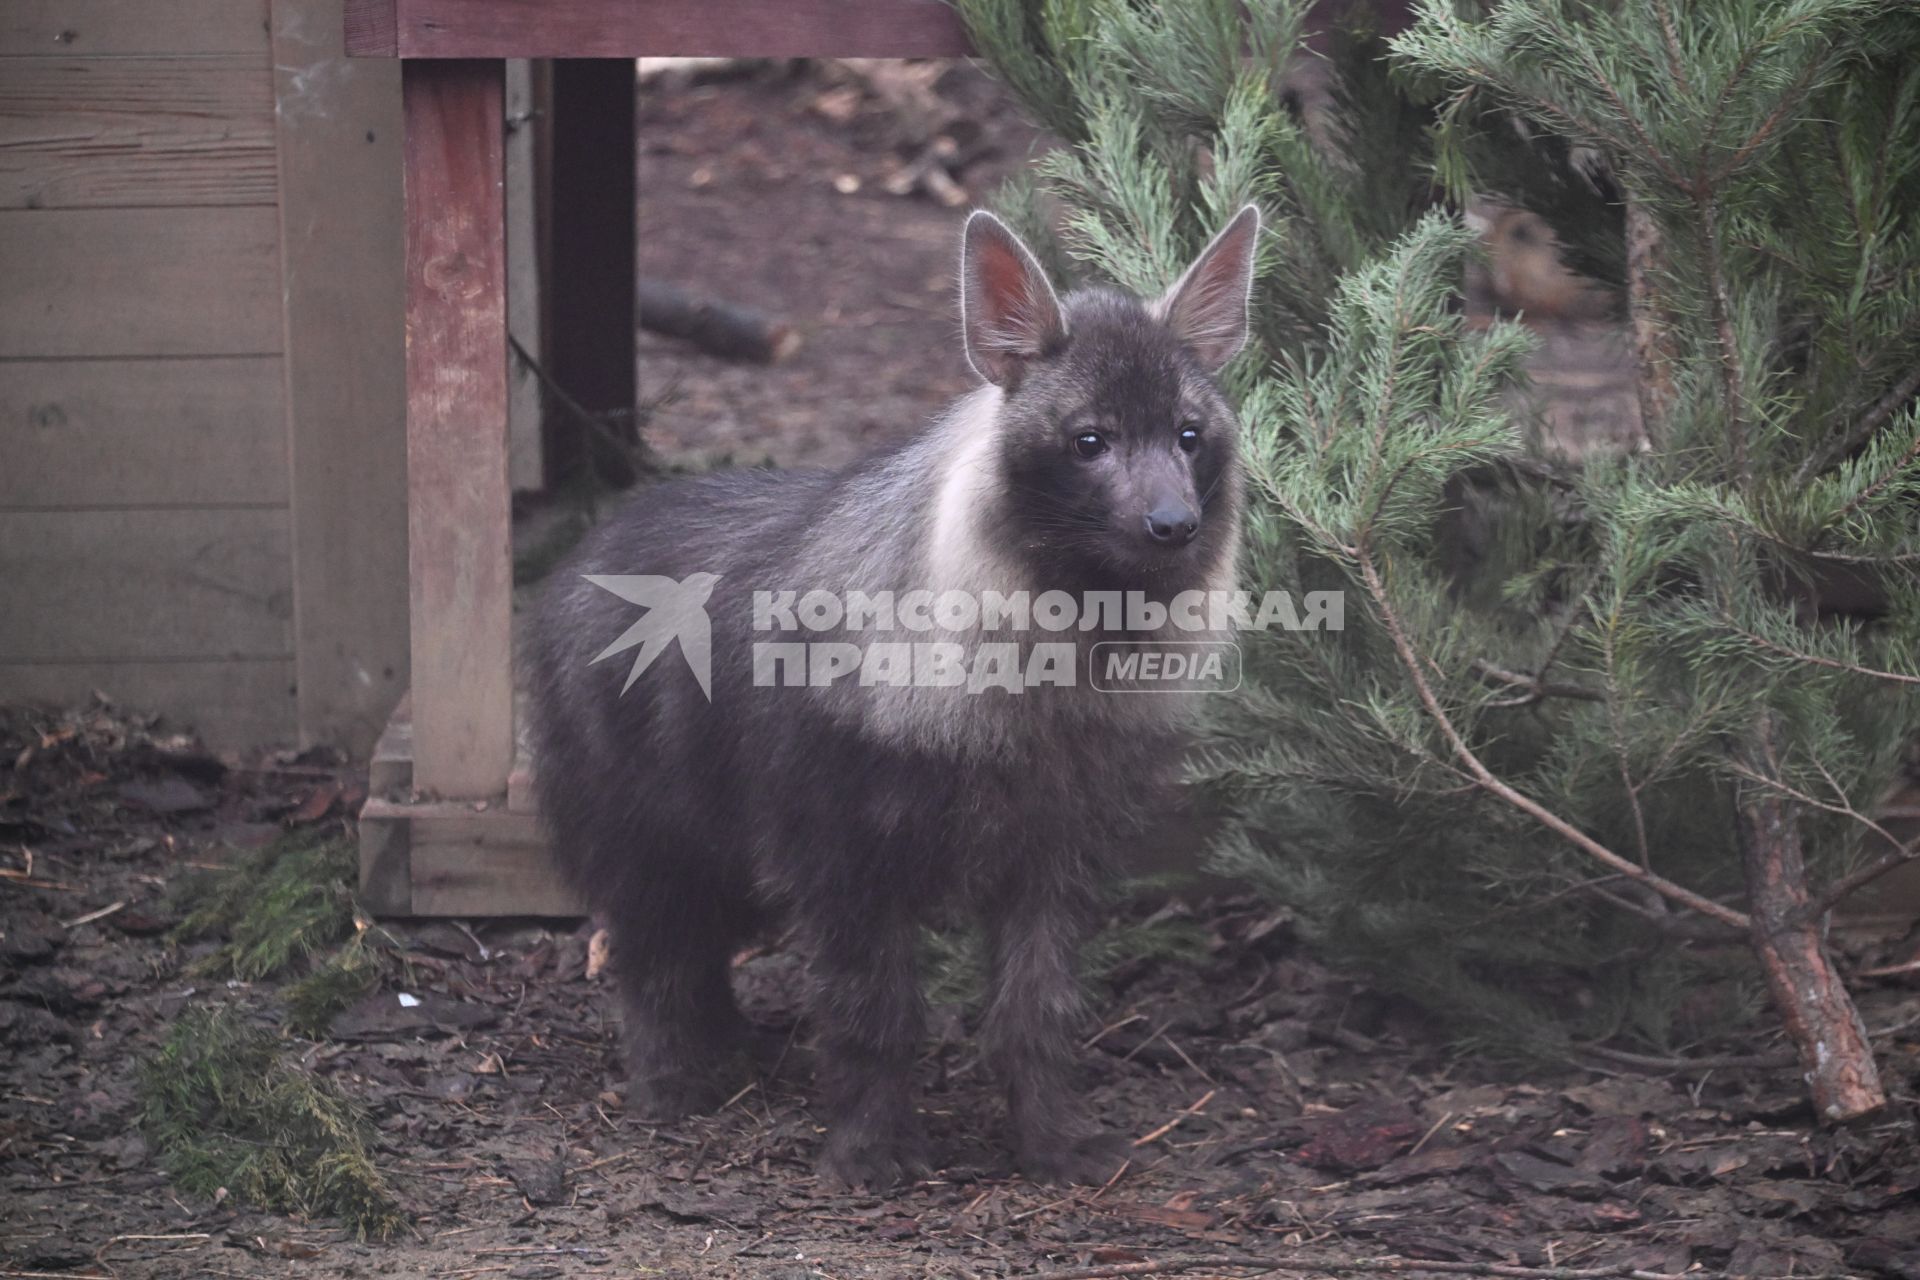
(1813, 1003)
(1652, 342)
(718, 328)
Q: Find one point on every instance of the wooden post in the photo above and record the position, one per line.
(425, 848)
(459, 522)
(338, 128)
(526, 466)
(591, 288)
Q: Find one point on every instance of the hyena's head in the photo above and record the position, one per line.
(1115, 457)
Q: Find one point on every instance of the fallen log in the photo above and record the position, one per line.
(717, 328)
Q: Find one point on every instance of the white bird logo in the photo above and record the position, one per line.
(674, 611)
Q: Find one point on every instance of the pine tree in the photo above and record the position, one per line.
(1623, 735)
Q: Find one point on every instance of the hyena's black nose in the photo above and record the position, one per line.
(1174, 526)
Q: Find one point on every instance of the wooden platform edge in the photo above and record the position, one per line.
(603, 29)
(427, 857)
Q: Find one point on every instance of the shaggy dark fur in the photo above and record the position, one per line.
(851, 814)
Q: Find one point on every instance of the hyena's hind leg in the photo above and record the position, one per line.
(686, 1042)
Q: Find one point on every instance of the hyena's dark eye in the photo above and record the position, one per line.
(1089, 444)
(1189, 437)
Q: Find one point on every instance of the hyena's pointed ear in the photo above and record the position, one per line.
(1007, 308)
(1207, 305)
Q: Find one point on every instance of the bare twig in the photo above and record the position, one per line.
(1335, 1266)
(1622, 757)
(1890, 970)
(1846, 886)
(91, 916)
(1535, 687)
(1843, 809)
(1174, 1123)
(1721, 1062)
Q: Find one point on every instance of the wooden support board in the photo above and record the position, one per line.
(144, 534)
(184, 282)
(433, 858)
(79, 133)
(99, 28)
(632, 28)
(457, 836)
(343, 298)
(459, 521)
(203, 431)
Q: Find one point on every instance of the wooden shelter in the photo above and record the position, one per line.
(450, 828)
(202, 395)
(255, 388)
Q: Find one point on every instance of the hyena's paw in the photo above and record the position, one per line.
(1090, 1161)
(661, 1098)
(874, 1161)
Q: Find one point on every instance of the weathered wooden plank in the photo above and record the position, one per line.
(140, 282)
(463, 861)
(487, 864)
(457, 492)
(386, 864)
(371, 30)
(231, 704)
(133, 433)
(97, 27)
(630, 28)
(93, 132)
(390, 770)
(344, 296)
(107, 586)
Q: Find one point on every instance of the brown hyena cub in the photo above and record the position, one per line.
(736, 784)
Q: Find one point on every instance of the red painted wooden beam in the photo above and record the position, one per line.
(635, 28)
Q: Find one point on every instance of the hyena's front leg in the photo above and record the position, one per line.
(1033, 1013)
(867, 1005)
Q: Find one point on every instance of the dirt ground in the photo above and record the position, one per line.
(1280, 1111)
(738, 201)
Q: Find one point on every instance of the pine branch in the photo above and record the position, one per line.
(1732, 378)
(1879, 482)
(1845, 887)
(1793, 97)
(1904, 851)
(1883, 408)
(1761, 641)
(1652, 341)
(1535, 688)
(1411, 663)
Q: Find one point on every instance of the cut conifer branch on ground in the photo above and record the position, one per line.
(1433, 810)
